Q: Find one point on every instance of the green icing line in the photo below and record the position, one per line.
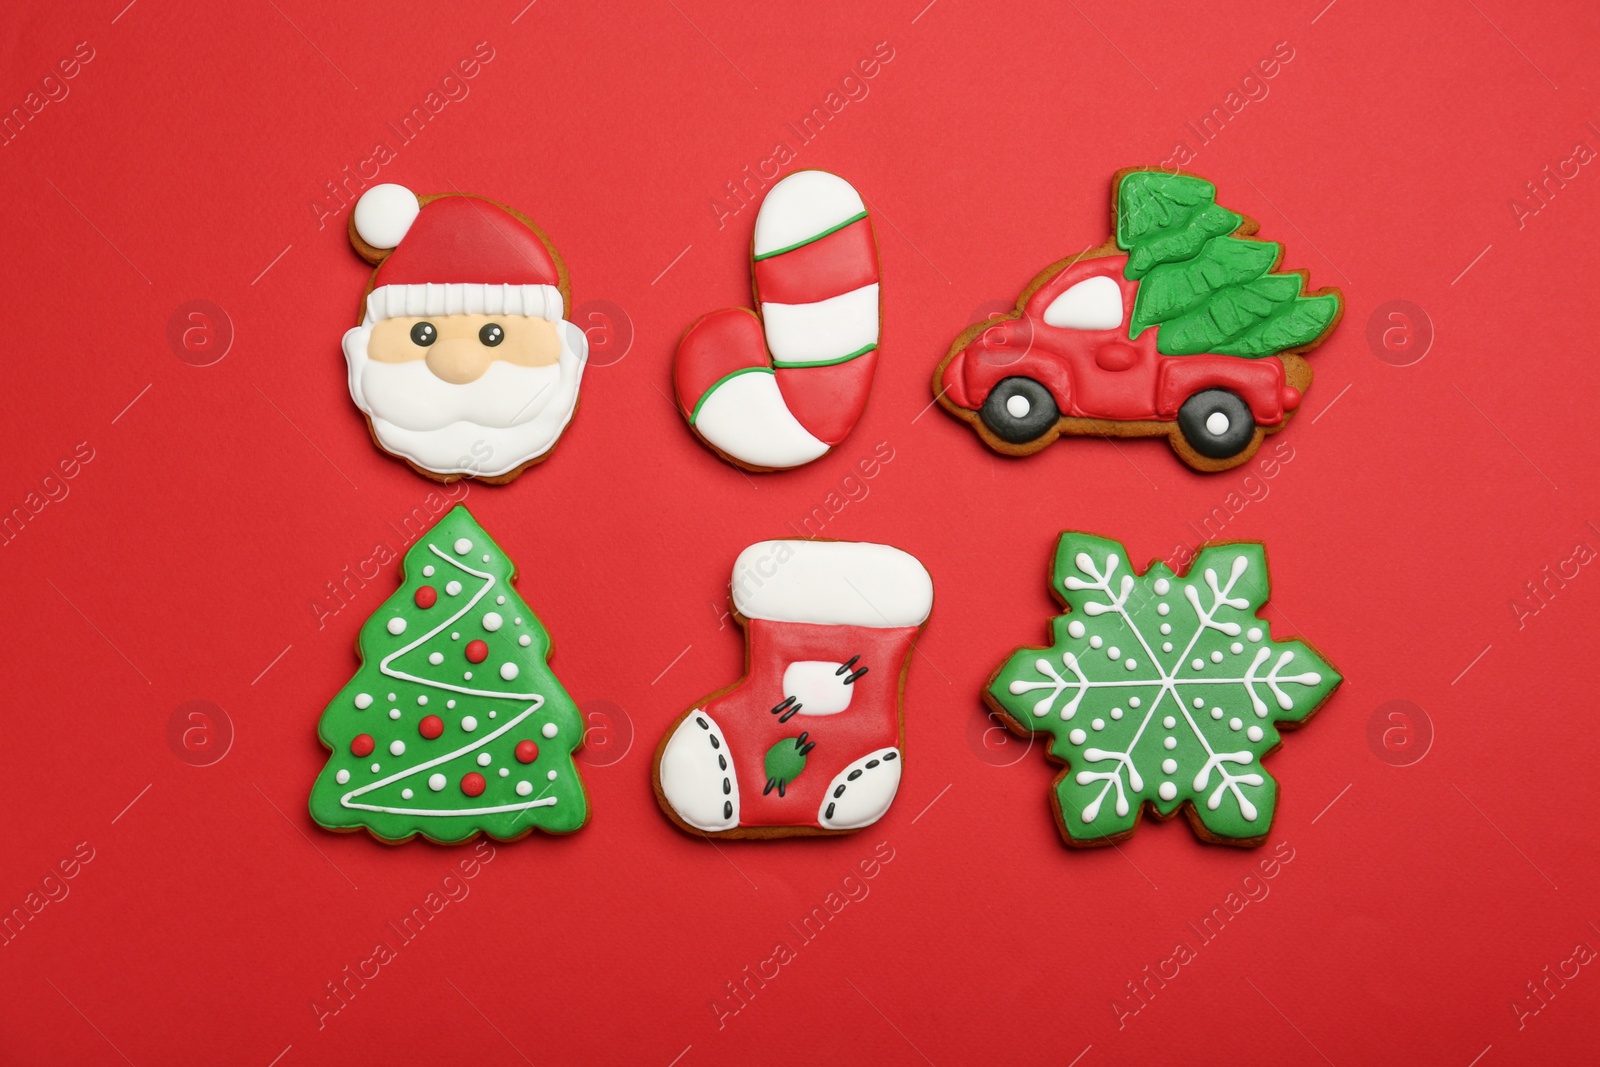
(811, 240)
(825, 362)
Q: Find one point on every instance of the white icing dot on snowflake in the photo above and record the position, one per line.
(505, 772)
(1170, 742)
(1198, 664)
(1254, 634)
(1169, 766)
(549, 729)
(1236, 723)
(1114, 652)
(435, 782)
(1169, 722)
(397, 626)
(484, 759)
(397, 748)
(1095, 641)
(1134, 702)
(1255, 733)
(422, 699)
(1216, 657)
(463, 546)
(550, 774)
(1077, 737)
(524, 788)
(1075, 628)
(342, 777)
(452, 588)
(406, 794)
(1199, 702)
(499, 600)
(1163, 608)
(468, 723)
(1116, 713)
(1166, 628)
(363, 701)
(1131, 663)
(436, 658)
(1166, 646)
(427, 572)
(1167, 790)
(1236, 648)
(1162, 586)
(1098, 724)
(524, 640)
(394, 713)
(491, 621)
(1216, 713)
(508, 671)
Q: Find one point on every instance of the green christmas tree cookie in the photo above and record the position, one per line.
(454, 725)
(1161, 690)
(1203, 280)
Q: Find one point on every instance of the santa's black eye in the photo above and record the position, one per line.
(491, 334)
(424, 334)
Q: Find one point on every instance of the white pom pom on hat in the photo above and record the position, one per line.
(384, 215)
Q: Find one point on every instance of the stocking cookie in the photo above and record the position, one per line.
(1178, 326)
(454, 725)
(777, 388)
(463, 362)
(809, 741)
(1161, 691)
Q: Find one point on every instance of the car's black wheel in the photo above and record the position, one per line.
(1019, 410)
(1216, 423)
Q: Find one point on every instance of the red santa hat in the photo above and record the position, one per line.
(454, 255)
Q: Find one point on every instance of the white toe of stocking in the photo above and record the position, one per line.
(862, 792)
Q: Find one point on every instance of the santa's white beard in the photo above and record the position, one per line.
(489, 426)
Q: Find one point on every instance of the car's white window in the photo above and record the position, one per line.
(1092, 304)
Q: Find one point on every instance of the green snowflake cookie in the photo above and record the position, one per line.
(1161, 689)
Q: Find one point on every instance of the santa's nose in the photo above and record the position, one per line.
(458, 360)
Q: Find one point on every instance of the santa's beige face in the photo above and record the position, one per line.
(460, 348)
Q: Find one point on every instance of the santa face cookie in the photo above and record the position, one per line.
(464, 363)
(778, 388)
(810, 741)
(1162, 691)
(1177, 327)
(454, 725)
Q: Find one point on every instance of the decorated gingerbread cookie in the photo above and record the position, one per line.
(454, 725)
(463, 361)
(1161, 690)
(777, 388)
(1179, 326)
(810, 740)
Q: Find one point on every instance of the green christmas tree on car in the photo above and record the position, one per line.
(454, 725)
(1179, 326)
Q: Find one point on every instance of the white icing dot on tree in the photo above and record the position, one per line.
(397, 748)
(524, 640)
(524, 788)
(449, 703)
(467, 675)
(500, 599)
(427, 572)
(551, 775)
(1116, 713)
(1166, 646)
(469, 724)
(1166, 628)
(422, 699)
(1198, 664)
(436, 658)
(1169, 766)
(549, 729)
(1236, 723)
(394, 713)
(1163, 608)
(491, 621)
(397, 626)
(508, 671)
(1114, 652)
(1254, 634)
(1167, 790)
(1075, 628)
(1077, 737)
(486, 558)
(484, 759)
(1255, 733)
(1216, 657)
(1134, 702)
(1199, 702)
(375, 767)
(1098, 724)
(452, 588)
(505, 772)
(517, 620)
(406, 794)
(435, 782)
(491, 714)
(463, 546)
(455, 636)
(391, 697)
(1236, 648)
(1095, 641)
(1131, 663)
(1169, 722)
(342, 777)
(1216, 713)
(1162, 586)
(363, 700)
(1170, 743)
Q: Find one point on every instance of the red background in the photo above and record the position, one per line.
(183, 563)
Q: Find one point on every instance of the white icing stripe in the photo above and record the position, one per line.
(540, 802)
(467, 298)
(840, 583)
(746, 417)
(801, 206)
(824, 330)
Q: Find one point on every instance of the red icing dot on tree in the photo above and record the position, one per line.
(427, 597)
(430, 727)
(477, 651)
(472, 784)
(362, 745)
(527, 751)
